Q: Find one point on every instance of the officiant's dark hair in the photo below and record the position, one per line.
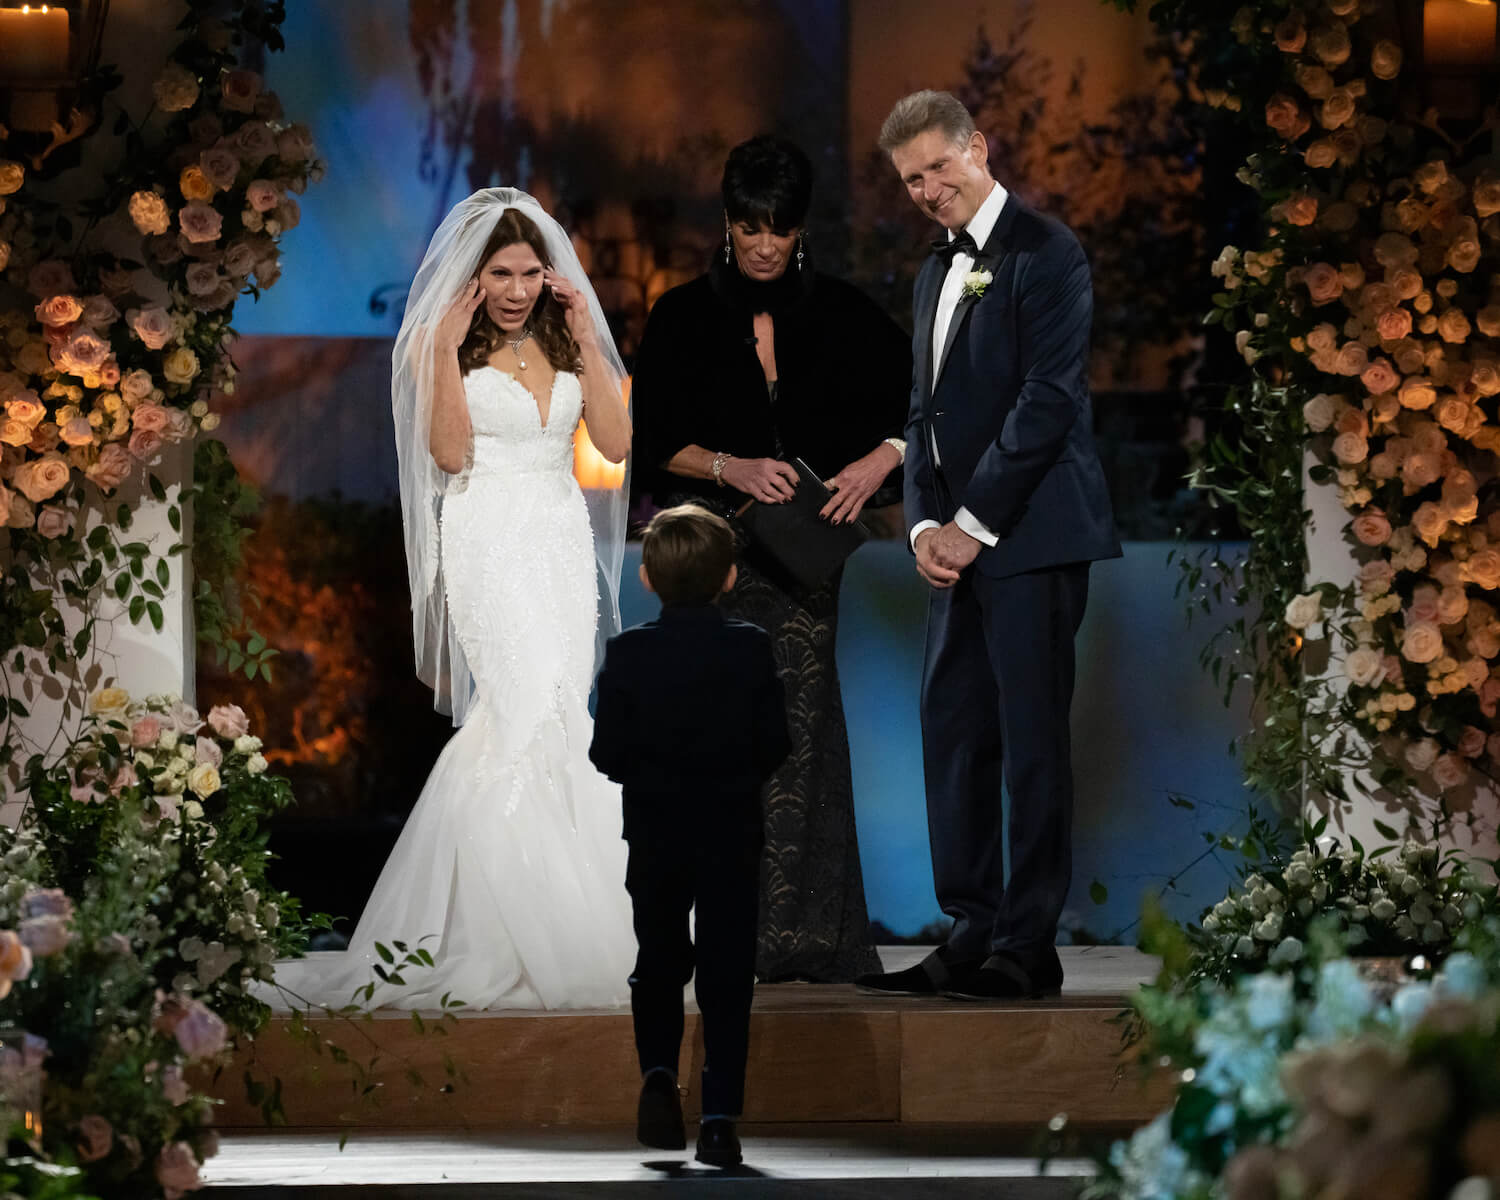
(687, 552)
(924, 110)
(768, 179)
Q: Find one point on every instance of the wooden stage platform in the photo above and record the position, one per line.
(818, 1053)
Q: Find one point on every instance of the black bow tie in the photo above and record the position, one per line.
(946, 248)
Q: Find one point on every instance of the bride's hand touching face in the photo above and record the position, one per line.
(575, 308)
(455, 323)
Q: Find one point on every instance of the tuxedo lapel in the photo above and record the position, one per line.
(991, 258)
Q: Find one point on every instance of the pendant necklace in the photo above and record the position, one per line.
(515, 347)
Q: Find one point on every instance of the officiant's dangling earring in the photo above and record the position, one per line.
(801, 238)
(728, 244)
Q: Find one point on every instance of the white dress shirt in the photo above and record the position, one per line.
(979, 228)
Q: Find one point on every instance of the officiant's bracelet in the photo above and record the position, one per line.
(899, 446)
(721, 460)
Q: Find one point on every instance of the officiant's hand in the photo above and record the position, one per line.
(928, 567)
(766, 479)
(857, 482)
(454, 324)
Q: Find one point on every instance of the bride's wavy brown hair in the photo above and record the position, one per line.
(547, 324)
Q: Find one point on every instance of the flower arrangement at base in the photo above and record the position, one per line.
(1411, 901)
(135, 921)
(1321, 1089)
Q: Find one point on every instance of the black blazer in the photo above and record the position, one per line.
(1009, 420)
(690, 719)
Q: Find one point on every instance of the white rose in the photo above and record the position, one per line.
(1302, 611)
(1364, 666)
(1318, 412)
(255, 764)
(1419, 757)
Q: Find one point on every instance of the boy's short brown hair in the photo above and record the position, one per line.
(687, 552)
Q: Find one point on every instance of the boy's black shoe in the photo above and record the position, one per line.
(718, 1144)
(658, 1117)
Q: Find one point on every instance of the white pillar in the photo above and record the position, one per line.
(136, 657)
(1330, 560)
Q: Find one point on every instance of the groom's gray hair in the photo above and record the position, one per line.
(924, 110)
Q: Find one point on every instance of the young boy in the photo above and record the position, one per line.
(691, 721)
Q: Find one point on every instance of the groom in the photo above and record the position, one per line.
(1007, 506)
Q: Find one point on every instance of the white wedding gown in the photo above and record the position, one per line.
(511, 860)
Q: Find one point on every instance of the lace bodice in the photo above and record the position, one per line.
(508, 434)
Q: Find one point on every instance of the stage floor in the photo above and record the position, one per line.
(819, 1054)
(853, 1160)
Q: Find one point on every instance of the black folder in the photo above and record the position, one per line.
(806, 546)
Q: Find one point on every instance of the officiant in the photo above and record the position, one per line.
(760, 361)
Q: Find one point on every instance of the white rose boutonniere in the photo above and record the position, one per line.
(975, 282)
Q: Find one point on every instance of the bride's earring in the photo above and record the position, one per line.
(801, 237)
(728, 245)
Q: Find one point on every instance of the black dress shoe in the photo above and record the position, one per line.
(658, 1116)
(1004, 977)
(928, 978)
(718, 1144)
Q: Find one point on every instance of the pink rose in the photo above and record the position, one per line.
(1291, 35)
(1424, 604)
(59, 310)
(220, 166)
(150, 417)
(1372, 528)
(206, 750)
(1350, 448)
(47, 902)
(1423, 642)
(1376, 577)
(239, 259)
(49, 277)
(124, 777)
(200, 1032)
(228, 721)
(289, 213)
(45, 936)
(1430, 522)
(1338, 110)
(99, 312)
(1315, 81)
(1471, 742)
(144, 444)
(239, 89)
(185, 718)
(1393, 324)
(1450, 771)
(1453, 326)
(53, 522)
(200, 222)
(173, 1086)
(1300, 209)
(294, 144)
(78, 432)
(1320, 154)
(153, 326)
(177, 1170)
(1323, 283)
(253, 142)
(96, 1138)
(179, 425)
(1285, 116)
(112, 468)
(202, 279)
(145, 731)
(1483, 568)
(1453, 605)
(262, 195)
(1352, 359)
(41, 478)
(1380, 377)
(83, 353)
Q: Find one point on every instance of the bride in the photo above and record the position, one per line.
(511, 865)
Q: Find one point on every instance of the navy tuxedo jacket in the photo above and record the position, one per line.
(690, 720)
(1007, 432)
